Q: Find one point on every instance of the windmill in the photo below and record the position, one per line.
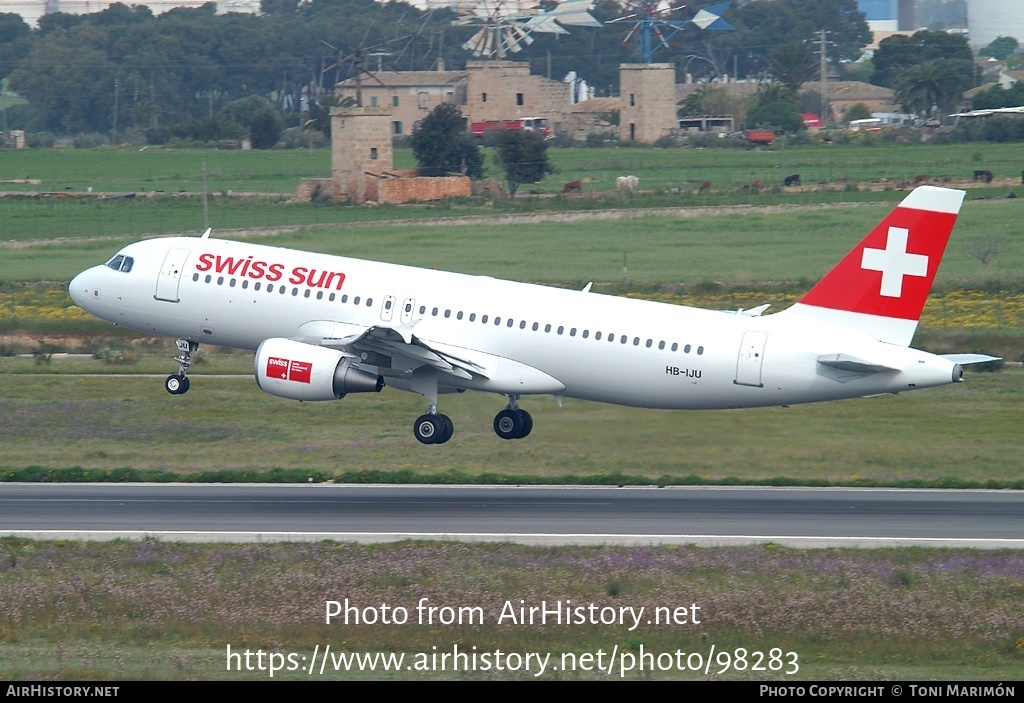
(653, 27)
(505, 26)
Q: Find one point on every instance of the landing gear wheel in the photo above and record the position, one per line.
(527, 423)
(433, 429)
(176, 384)
(508, 424)
(449, 429)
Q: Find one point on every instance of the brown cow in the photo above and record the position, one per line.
(705, 187)
(571, 186)
(921, 178)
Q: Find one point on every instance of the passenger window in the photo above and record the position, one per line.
(472, 317)
(319, 295)
(459, 316)
(369, 302)
(572, 332)
(675, 347)
(597, 336)
(510, 322)
(536, 326)
(245, 284)
(522, 324)
(547, 328)
(231, 283)
(195, 276)
(434, 312)
(355, 300)
(661, 344)
(447, 313)
(686, 349)
(483, 320)
(220, 280)
(306, 294)
(700, 351)
(256, 286)
(344, 298)
(497, 321)
(586, 333)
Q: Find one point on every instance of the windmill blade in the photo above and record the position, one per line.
(711, 18)
(575, 13)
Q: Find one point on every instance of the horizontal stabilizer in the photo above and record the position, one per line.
(969, 358)
(853, 363)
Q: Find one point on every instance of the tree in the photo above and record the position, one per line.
(775, 109)
(898, 52)
(793, 65)
(1000, 48)
(265, 130)
(928, 85)
(442, 145)
(771, 23)
(857, 111)
(524, 157)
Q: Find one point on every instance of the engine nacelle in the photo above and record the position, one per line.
(299, 371)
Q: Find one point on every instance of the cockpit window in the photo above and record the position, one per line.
(121, 263)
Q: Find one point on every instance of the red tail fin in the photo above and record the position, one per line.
(889, 274)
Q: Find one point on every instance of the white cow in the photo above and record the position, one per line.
(627, 184)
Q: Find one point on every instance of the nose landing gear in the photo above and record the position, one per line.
(178, 383)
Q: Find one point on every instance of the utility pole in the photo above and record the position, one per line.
(113, 134)
(824, 81)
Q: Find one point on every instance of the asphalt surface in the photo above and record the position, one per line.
(800, 517)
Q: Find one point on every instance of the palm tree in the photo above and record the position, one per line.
(793, 65)
(927, 85)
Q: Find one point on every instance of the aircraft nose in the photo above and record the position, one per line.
(82, 290)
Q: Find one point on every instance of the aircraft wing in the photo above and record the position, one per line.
(397, 349)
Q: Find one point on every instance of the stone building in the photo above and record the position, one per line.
(505, 90)
(409, 94)
(647, 101)
(362, 164)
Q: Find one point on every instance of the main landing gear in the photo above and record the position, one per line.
(177, 383)
(513, 422)
(435, 428)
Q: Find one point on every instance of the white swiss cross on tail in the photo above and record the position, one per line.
(894, 262)
(882, 284)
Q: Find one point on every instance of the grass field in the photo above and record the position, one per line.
(668, 177)
(147, 610)
(964, 434)
(734, 246)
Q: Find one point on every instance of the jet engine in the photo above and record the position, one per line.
(300, 371)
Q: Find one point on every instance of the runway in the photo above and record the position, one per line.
(798, 517)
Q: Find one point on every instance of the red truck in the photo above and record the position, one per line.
(760, 136)
(523, 124)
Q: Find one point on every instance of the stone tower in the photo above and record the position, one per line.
(647, 101)
(360, 152)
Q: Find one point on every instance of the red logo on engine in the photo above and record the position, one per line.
(288, 370)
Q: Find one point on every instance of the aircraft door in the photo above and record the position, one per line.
(387, 309)
(408, 305)
(170, 275)
(751, 357)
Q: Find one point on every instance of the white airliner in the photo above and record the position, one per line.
(324, 326)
